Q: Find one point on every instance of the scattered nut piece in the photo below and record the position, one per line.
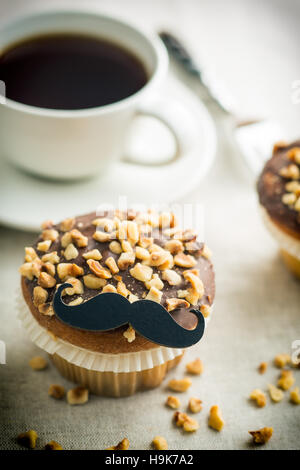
(154, 294)
(286, 380)
(78, 238)
(112, 265)
(275, 393)
(184, 261)
(173, 402)
(77, 396)
(56, 391)
(262, 367)
(181, 294)
(115, 247)
(206, 252)
(158, 257)
(51, 258)
(174, 246)
(172, 277)
(109, 288)
(181, 385)
(64, 270)
(183, 420)
(145, 242)
(46, 309)
(142, 253)
(99, 270)
(67, 224)
(289, 199)
(40, 296)
(215, 420)
(291, 171)
(294, 154)
(47, 224)
(205, 310)
(50, 268)
(129, 334)
(192, 296)
(44, 246)
(295, 396)
(122, 289)
(133, 298)
(155, 282)
(195, 367)
(50, 234)
(259, 397)
(53, 445)
(282, 360)
(93, 282)
(141, 272)
(45, 280)
(195, 405)
(28, 439)
(30, 254)
(133, 232)
(77, 287)
(174, 303)
(38, 363)
(75, 302)
(125, 260)
(93, 254)
(160, 443)
(71, 252)
(195, 281)
(261, 436)
(123, 445)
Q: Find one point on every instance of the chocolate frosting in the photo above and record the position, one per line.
(271, 187)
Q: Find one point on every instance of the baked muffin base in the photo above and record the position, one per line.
(113, 384)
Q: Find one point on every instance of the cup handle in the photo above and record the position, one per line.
(172, 114)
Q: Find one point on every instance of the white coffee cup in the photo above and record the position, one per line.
(64, 144)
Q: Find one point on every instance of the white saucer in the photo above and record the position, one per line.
(26, 201)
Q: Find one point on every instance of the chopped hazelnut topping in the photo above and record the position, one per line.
(154, 294)
(184, 261)
(174, 246)
(179, 418)
(129, 334)
(40, 296)
(157, 258)
(75, 302)
(76, 270)
(115, 247)
(122, 230)
(38, 363)
(30, 254)
(28, 439)
(173, 402)
(109, 288)
(195, 405)
(93, 254)
(141, 272)
(66, 239)
(44, 245)
(67, 224)
(47, 224)
(142, 253)
(262, 367)
(282, 360)
(180, 385)
(56, 391)
(215, 420)
(102, 237)
(50, 268)
(112, 265)
(294, 155)
(49, 234)
(259, 397)
(195, 281)
(145, 242)
(193, 296)
(51, 258)
(295, 396)
(286, 380)
(181, 294)
(78, 238)
(125, 260)
(45, 280)
(155, 282)
(46, 309)
(167, 219)
(289, 199)
(206, 252)
(98, 270)
(168, 263)
(173, 304)
(160, 443)
(122, 289)
(93, 282)
(205, 310)
(293, 187)
(71, 252)
(186, 422)
(195, 367)
(53, 445)
(275, 393)
(26, 271)
(133, 232)
(132, 298)
(64, 270)
(291, 171)
(172, 277)
(126, 246)
(261, 436)
(77, 396)
(123, 445)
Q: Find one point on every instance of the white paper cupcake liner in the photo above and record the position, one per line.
(124, 362)
(285, 241)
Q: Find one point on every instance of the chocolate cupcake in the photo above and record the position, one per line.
(279, 196)
(140, 256)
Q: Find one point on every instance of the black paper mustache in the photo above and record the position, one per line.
(109, 310)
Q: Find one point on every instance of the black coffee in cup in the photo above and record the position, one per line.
(70, 71)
